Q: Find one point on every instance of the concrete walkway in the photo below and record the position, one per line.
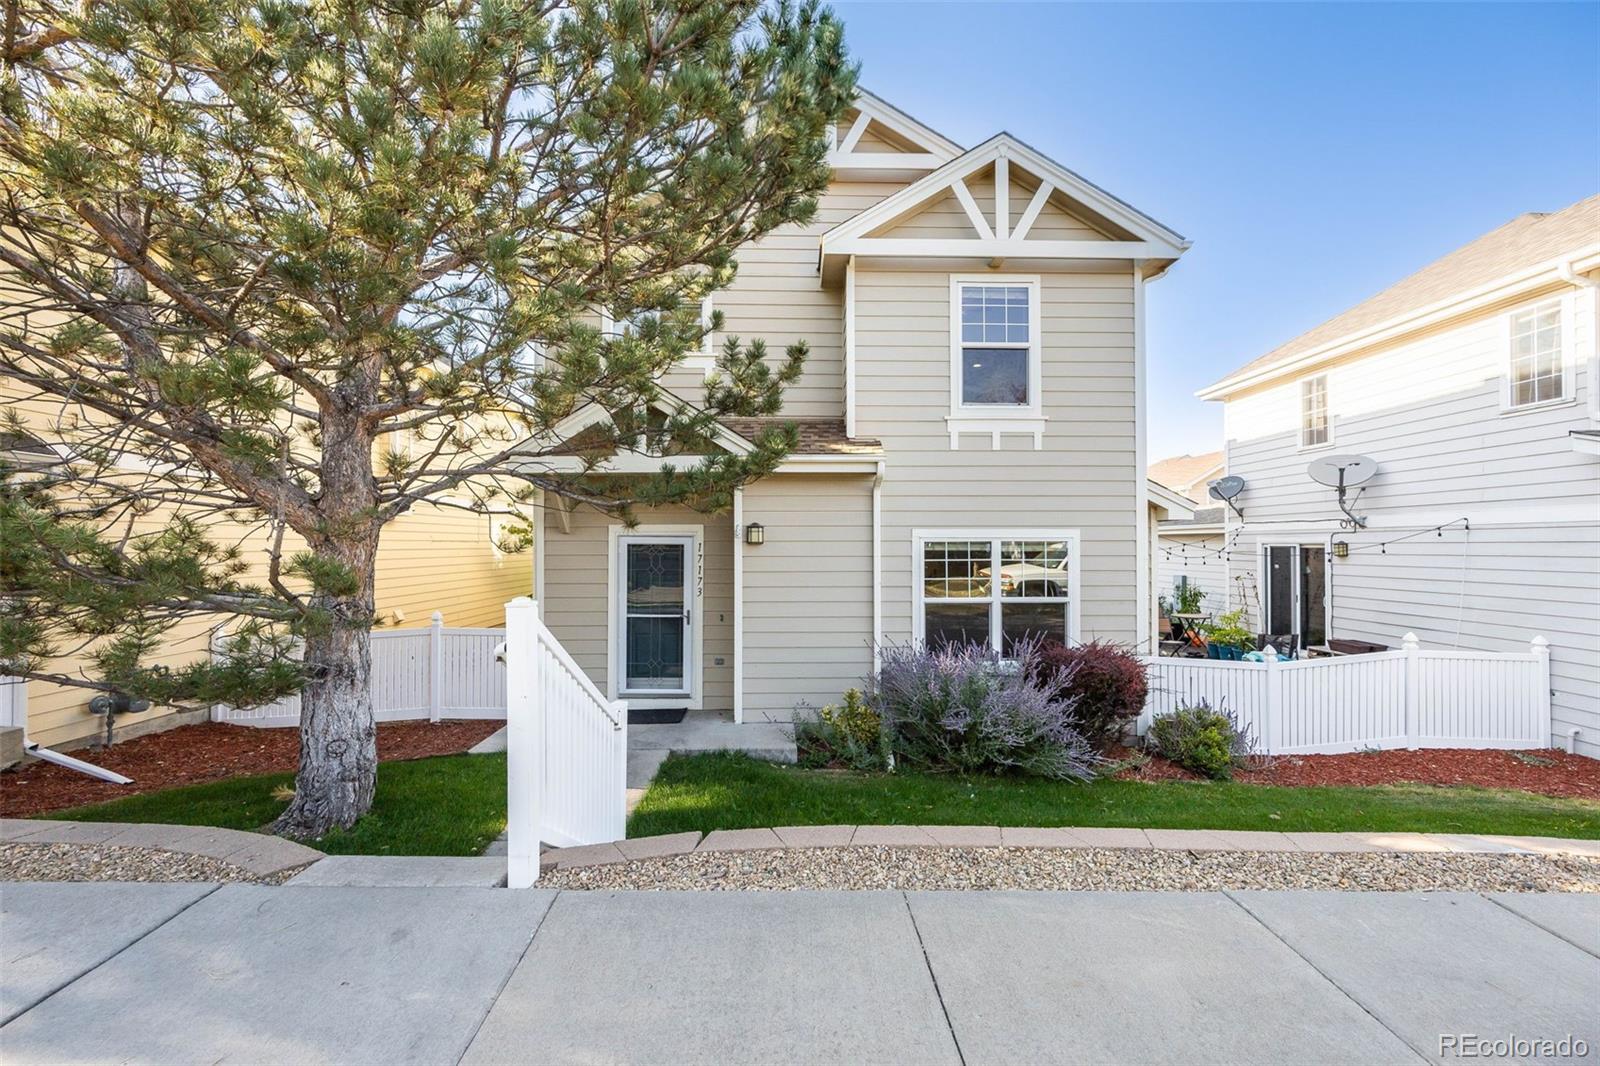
(185, 973)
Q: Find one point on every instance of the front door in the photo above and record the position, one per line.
(656, 610)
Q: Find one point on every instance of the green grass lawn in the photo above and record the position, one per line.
(450, 805)
(723, 791)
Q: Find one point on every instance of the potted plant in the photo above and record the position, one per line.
(1228, 636)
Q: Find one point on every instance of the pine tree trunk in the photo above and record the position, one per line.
(338, 772)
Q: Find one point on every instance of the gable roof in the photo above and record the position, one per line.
(1533, 240)
(1181, 472)
(862, 150)
(1151, 239)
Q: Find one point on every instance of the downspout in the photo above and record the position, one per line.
(877, 566)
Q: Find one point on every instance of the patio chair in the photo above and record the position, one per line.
(1286, 644)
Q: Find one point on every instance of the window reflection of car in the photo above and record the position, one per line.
(1042, 573)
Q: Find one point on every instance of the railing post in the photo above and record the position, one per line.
(1269, 717)
(1408, 644)
(620, 826)
(435, 666)
(524, 737)
(1541, 655)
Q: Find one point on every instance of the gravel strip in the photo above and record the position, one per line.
(1085, 868)
(109, 862)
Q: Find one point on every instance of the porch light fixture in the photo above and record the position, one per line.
(1341, 549)
(755, 533)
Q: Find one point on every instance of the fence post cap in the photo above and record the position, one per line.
(1540, 644)
(521, 601)
(1269, 654)
(1409, 640)
(438, 618)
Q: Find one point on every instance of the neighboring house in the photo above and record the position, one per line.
(972, 406)
(1472, 384)
(1189, 551)
(1188, 475)
(436, 557)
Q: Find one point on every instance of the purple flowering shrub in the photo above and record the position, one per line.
(959, 708)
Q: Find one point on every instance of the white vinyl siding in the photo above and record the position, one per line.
(1428, 410)
(1196, 559)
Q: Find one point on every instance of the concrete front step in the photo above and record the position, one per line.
(795, 837)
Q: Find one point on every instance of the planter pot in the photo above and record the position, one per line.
(1224, 651)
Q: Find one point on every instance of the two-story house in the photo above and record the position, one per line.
(1471, 385)
(971, 461)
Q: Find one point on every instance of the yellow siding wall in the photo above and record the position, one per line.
(432, 559)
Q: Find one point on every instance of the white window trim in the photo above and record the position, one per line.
(1071, 537)
(1569, 384)
(1591, 296)
(615, 532)
(1327, 410)
(995, 419)
(703, 360)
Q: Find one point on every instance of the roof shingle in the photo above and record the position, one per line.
(818, 436)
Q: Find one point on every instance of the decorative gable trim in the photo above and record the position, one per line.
(1150, 240)
(849, 161)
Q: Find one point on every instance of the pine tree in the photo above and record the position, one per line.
(245, 243)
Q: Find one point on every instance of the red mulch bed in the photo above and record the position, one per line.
(210, 751)
(1547, 771)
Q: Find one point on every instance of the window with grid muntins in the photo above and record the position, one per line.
(1314, 411)
(968, 599)
(996, 342)
(1537, 375)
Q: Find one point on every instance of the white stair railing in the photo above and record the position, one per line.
(566, 749)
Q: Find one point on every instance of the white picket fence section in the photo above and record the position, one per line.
(434, 673)
(566, 749)
(1396, 699)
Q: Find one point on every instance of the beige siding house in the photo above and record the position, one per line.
(971, 461)
(1472, 385)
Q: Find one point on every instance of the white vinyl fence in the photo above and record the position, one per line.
(1396, 699)
(431, 673)
(566, 746)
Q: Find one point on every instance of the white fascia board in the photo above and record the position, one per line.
(639, 463)
(927, 137)
(1175, 504)
(991, 247)
(1463, 303)
(1180, 528)
(1068, 183)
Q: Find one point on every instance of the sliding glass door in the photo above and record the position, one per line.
(1294, 599)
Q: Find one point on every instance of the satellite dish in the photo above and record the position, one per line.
(1342, 471)
(1225, 488)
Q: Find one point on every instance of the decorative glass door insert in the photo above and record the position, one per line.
(656, 614)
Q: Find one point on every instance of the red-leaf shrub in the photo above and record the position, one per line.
(1107, 681)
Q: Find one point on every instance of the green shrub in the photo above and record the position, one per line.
(850, 734)
(1200, 738)
(1230, 631)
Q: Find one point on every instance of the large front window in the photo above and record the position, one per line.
(996, 590)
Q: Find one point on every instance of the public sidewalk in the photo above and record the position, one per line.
(192, 973)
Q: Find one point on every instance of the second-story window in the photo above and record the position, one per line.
(997, 346)
(1537, 371)
(1314, 428)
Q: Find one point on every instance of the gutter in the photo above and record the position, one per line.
(1463, 303)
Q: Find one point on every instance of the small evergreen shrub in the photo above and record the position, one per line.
(959, 708)
(850, 734)
(1200, 738)
(1105, 681)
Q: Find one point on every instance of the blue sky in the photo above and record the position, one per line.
(1314, 153)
